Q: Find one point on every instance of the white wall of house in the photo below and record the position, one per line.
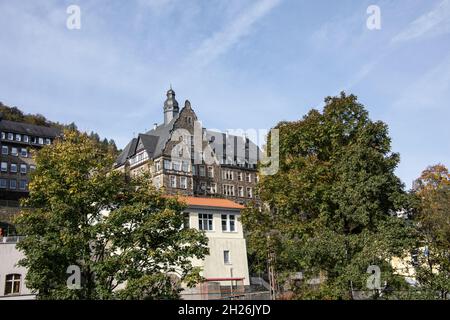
(214, 265)
(9, 257)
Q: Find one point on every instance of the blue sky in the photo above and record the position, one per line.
(241, 63)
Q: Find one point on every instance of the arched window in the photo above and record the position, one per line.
(12, 284)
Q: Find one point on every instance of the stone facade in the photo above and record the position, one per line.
(187, 159)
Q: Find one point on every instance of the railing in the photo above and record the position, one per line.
(9, 203)
(11, 239)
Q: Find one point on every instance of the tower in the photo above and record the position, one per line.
(171, 108)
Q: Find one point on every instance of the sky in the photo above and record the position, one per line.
(243, 64)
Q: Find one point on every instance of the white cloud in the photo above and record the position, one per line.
(429, 92)
(433, 23)
(223, 40)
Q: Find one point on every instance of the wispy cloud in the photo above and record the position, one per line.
(429, 91)
(222, 41)
(433, 23)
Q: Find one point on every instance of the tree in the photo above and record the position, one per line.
(432, 215)
(126, 238)
(330, 210)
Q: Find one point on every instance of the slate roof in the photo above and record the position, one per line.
(152, 141)
(29, 129)
(155, 140)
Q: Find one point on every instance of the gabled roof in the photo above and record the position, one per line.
(126, 152)
(148, 143)
(163, 133)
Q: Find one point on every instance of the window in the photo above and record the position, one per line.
(228, 190)
(186, 221)
(202, 171)
(205, 221)
(185, 166)
(228, 223)
(138, 158)
(248, 177)
(12, 284)
(176, 165)
(167, 164)
(41, 140)
(213, 188)
(157, 166)
(18, 137)
(210, 172)
(47, 141)
(13, 184)
(26, 139)
(3, 183)
(13, 168)
(23, 168)
(3, 135)
(10, 136)
(23, 184)
(241, 192)
(24, 152)
(194, 170)
(202, 186)
(228, 175)
(32, 167)
(249, 193)
(14, 151)
(183, 182)
(226, 256)
(4, 167)
(4, 150)
(240, 176)
(173, 181)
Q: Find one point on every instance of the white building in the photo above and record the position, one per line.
(225, 269)
(226, 265)
(12, 277)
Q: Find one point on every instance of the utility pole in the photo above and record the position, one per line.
(271, 271)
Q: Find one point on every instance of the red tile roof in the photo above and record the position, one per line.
(211, 202)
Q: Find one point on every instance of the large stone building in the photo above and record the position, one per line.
(185, 158)
(18, 141)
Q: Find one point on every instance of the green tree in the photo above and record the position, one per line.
(330, 210)
(124, 235)
(432, 190)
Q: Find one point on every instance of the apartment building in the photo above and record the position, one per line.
(18, 142)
